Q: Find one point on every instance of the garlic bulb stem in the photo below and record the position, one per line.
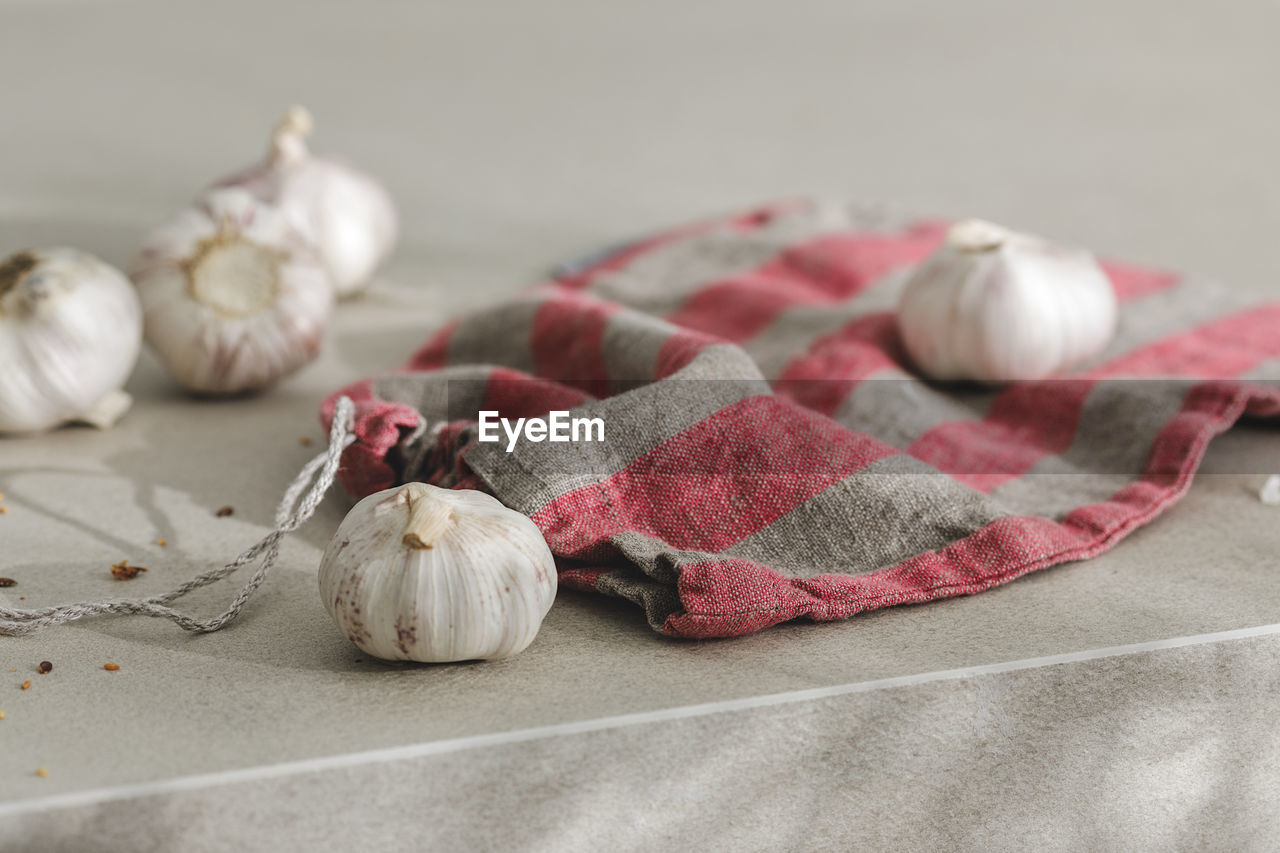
(977, 235)
(13, 270)
(289, 139)
(429, 517)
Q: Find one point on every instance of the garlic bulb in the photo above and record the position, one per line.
(70, 333)
(347, 215)
(234, 299)
(429, 574)
(995, 305)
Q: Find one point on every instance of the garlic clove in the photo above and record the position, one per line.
(234, 298)
(70, 334)
(995, 305)
(346, 214)
(435, 575)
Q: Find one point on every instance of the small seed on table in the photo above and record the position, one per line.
(4, 582)
(45, 666)
(111, 667)
(122, 571)
(42, 773)
(223, 512)
(26, 685)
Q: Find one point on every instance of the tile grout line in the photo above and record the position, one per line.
(442, 747)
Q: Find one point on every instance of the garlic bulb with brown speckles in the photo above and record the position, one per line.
(428, 574)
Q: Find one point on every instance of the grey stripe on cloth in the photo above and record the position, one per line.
(797, 328)
(1111, 447)
(499, 335)
(661, 280)
(844, 528)
(898, 409)
(442, 395)
(631, 344)
(659, 600)
(1172, 311)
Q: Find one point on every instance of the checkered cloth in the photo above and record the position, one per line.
(768, 452)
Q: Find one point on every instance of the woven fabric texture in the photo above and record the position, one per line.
(769, 453)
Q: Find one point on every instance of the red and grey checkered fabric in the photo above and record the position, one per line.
(769, 453)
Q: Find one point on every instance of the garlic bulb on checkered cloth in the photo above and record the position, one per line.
(427, 574)
(70, 332)
(997, 306)
(346, 214)
(234, 298)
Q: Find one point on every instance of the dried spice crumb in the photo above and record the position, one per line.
(44, 667)
(162, 542)
(111, 667)
(42, 773)
(122, 571)
(26, 685)
(1, 715)
(4, 510)
(223, 512)
(305, 441)
(4, 582)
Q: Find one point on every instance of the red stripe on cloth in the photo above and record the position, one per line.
(725, 598)
(1030, 421)
(434, 354)
(379, 426)
(566, 340)
(724, 478)
(1220, 349)
(627, 255)
(514, 394)
(834, 365)
(581, 579)
(829, 269)
(1130, 282)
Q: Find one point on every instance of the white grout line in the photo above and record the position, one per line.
(355, 759)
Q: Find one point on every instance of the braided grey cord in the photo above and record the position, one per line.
(298, 504)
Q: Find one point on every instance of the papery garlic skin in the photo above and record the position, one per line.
(347, 215)
(995, 305)
(434, 575)
(70, 334)
(233, 297)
